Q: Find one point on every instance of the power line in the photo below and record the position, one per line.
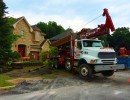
(90, 21)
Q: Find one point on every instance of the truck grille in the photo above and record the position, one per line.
(106, 55)
(108, 61)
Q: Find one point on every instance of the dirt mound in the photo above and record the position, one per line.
(40, 71)
(35, 85)
(37, 71)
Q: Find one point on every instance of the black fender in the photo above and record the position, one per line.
(82, 61)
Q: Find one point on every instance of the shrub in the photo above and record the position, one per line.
(53, 51)
(44, 55)
(15, 55)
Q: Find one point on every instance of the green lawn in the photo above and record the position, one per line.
(49, 76)
(3, 80)
(30, 72)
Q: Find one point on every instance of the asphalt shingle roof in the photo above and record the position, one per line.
(43, 42)
(34, 27)
(60, 35)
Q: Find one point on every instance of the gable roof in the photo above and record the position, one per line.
(44, 41)
(22, 18)
(60, 35)
(35, 28)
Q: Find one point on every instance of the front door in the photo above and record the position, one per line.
(21, 50)
(35, 55)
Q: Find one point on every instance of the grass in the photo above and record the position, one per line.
(49, 76)
(3, 80)
(31, 67)
(24, 73)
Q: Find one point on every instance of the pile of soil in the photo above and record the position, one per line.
(40, 71)
(35, 85)
(37, 71)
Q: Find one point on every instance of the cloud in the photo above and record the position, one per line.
(120, 14)
(70, 13)
(74, 23)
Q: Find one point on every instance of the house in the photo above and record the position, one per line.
(31, 40)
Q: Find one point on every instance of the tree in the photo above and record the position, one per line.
(105, 40)
(53, 51)
(11, 21)
(6, 36)
(2, 9)
(50, 29)
(120, 37)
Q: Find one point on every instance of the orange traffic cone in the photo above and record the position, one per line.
(129, 80)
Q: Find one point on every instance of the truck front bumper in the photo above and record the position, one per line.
(98, 68)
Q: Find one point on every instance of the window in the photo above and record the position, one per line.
(97, 44)
(22, 34)
(79, 45)
(37, 37)
(92, 44)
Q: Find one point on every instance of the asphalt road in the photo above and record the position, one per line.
(116, 87)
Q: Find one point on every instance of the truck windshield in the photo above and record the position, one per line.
(87, 43)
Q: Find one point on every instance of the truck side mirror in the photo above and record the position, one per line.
(79, 45)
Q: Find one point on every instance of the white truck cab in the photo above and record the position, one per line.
(91, 53)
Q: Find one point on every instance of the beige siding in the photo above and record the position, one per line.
(26, 40)
(45, 47)
(29, 38)
(42, 38)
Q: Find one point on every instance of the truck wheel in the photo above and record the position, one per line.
(85, 71)
(68, 65)
(108, 73)
(56, 65)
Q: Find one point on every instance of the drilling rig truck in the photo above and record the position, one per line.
(85, 53)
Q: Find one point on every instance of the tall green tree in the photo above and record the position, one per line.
(121, 37)
(51, 28)
(105, 40)
(11, 21)
(6, 36)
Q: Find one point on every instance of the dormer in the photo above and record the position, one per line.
(38, 35)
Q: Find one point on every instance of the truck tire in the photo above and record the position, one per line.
(108, 73)
(68, 65)
(56, 65)
(85, 71)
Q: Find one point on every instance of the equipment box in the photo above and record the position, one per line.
(125, 61)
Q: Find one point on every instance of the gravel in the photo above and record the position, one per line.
(118, 80)
(35, 85)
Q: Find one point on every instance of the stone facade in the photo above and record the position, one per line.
(46, 45)
(31, 40)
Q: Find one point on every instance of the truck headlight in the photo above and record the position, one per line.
(93, 60)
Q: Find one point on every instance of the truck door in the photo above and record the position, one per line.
(77, 50)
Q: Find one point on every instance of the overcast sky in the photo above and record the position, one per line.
(71, 13)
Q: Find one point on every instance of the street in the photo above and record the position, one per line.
(116, 87)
